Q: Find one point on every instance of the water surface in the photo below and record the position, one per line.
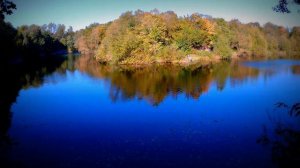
(89, 115)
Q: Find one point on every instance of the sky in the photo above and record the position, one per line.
(81, 13)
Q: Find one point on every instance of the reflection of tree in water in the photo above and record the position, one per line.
(152, 83)
(16, 77)
(234, 71)
(284, 141)
(155, 83)
(296, 69)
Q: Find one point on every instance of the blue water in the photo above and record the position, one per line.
(72, 120)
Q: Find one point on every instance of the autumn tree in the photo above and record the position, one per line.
(147, 37)
(295, 41)
(88, 40)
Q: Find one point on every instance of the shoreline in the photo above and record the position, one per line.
(196, 61)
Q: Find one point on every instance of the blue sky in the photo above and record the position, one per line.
(80, 13)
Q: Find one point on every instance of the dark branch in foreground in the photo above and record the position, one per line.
(282, 6)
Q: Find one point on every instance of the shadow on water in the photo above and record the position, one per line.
(283, 139)
(17, 76)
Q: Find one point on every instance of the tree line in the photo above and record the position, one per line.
(143, 37)
(31, 42)
(147, 37)
(28, 41)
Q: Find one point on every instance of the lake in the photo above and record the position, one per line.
(83, 114)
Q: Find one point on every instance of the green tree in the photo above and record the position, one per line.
(223, 40)
(60, 31)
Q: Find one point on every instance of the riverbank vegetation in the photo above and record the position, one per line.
(153, 37)
(31, 43)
